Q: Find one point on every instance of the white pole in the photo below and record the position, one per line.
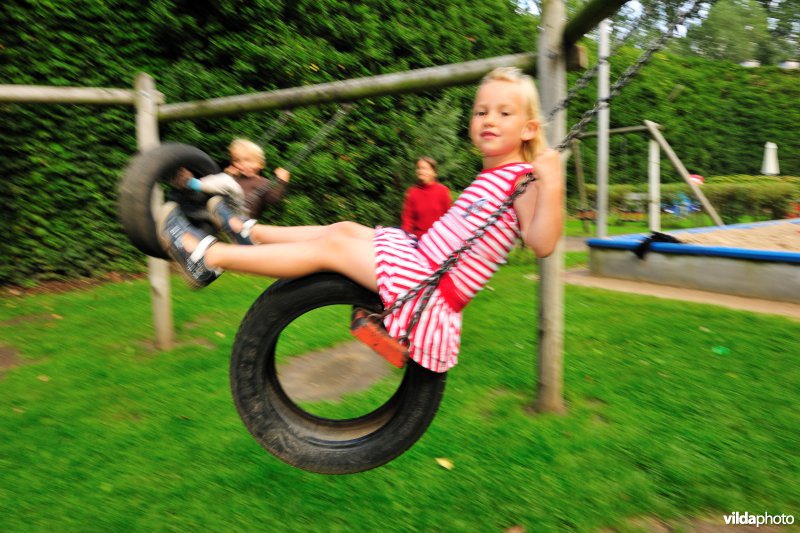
(603, 123)
(769, 167)
(552, 77)
(147, 137)
(654, 185)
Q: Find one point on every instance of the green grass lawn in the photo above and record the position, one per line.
(576, 228)
(676, 410)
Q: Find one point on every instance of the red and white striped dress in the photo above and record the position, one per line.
(402, 261)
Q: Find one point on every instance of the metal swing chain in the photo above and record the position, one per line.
(590, 74)
(276, 126)
(322, 134)
(318, 137)
(430, 283)
(626, 77)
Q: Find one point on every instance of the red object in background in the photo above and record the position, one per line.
(697, 178)
(424, 204)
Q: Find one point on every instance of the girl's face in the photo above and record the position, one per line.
(425, 172)
(500, 123)
(247, 162)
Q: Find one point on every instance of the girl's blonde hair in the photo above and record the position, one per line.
(531, 148)
(249, 147)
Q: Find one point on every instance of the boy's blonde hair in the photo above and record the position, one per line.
(532, 148)
(248, 146)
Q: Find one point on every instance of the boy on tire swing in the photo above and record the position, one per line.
(244, 189)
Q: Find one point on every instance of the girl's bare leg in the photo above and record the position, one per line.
(345, 247)
(266, 234)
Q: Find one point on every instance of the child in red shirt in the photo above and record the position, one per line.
(426, 201)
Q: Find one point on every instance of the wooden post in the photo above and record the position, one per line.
(676, 162)
(147, 138)
(654, 186)
(603, 122)
(552, 77)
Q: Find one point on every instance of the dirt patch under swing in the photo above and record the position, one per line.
(329, 374)
(8, 358)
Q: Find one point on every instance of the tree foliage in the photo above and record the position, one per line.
(716, 115)
(784, 26)
(735, 30)
(731, 30)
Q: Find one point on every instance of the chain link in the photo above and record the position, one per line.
(431, 282)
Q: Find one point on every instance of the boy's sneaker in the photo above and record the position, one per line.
(171, 227)
(221, 215)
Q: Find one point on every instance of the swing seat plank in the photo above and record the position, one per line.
(372, 333)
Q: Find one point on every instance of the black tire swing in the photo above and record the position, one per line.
(302, 439)
(281, 426)
(146, 171)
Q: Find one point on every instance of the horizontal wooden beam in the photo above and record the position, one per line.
(423, 79)
(589, 17)
(41, 94)
(431, 78)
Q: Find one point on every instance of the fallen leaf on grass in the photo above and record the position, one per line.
(42, 377)
(219, 334)
(445, 463)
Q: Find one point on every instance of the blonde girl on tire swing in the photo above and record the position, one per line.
(506, 128)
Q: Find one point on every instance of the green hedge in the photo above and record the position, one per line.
(735, 198)
(61, 163)
(717, 116)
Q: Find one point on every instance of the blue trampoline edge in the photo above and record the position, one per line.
(631, 241)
